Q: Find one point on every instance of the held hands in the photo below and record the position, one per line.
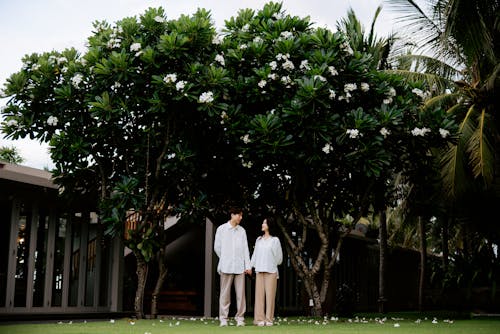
(248, 272)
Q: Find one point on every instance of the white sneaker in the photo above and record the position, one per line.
(269, 323)
(240, 323)
(261, 323)
(223, 323)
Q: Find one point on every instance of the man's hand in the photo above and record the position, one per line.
(248, 272)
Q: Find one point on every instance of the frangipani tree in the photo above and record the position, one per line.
(318, 130)
(124, 123)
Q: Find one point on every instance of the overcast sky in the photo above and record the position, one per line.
(28, 26)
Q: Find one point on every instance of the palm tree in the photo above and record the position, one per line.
(459, 61)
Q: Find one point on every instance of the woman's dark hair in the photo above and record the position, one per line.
(273, 227)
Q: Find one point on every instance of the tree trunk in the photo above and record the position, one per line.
(423, 263)
(142, 274)
(382, 299)
(444, 246)
(162, 276)
(316, 291)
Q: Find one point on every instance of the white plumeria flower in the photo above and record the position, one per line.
(262, 83)
(135, 46)
(171, 156)
(327, 148)
(320, 78)
(220, 59)
(242, 46)
(420, 132)
(266, 169)
(353, 133)
(272, 76)
(365, 87)
(217, 39)
(350, 87)
(444, 133)
(384, 132)
(258, 39)
(304, 65)
(76, 80)
(332, 94)
(286, 34)
(206, 97)
(180, 85)
(13, 122)
(387, 100)
(246, 164)
(52, 121)
(288, 65)
(286, 80)
(332, 71)
(245, 28)
(391, 92)
(273, 65)
(159, 19)
(246, 138)
(170, 78)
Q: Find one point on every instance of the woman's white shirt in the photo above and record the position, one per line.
(267, 255)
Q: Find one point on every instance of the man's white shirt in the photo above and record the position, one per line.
(231, 247)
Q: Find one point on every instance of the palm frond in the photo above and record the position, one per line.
(430, 79)
(442, 101)
(480, 151)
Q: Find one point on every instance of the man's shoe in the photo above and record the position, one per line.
(268, 323)
(240, 323)
(261, 323)
(223, 323)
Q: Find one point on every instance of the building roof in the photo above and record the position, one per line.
(27, 175)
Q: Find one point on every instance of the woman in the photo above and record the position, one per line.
(266, 257)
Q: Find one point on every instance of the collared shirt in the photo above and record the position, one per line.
(267, 255)
(231, 247)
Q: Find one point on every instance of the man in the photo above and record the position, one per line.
(231, 247)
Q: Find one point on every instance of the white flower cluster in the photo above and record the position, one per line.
(245, 28)
(136, 47)
(52, 121)
(115, 41)
(304, 65)
(180, 85)
(206, 97)
(347, 48)
(258, 40)
(332, 94)
(159, 19)
(246, 164)
(420, 131)
(444, 133)
(262, 83)
(365, 87)
(384, 132)
(320, 78)
(220, 59)
(11, 122)
(333, 71)
(286, 35)
(246, 138)
(390, 94)
(170, 78)
(171, 156)
(327, 148)
(217, 39)
(420, 93)
(354, 133)
(76, 80)
(224, 116)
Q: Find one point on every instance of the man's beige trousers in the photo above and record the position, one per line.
(226, 281)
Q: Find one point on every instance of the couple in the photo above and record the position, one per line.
(231, 247)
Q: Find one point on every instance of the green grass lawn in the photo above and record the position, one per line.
(363, 325)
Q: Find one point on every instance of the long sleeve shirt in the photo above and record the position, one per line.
(267, 255)
(231, 246)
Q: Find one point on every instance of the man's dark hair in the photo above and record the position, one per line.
(234, 210)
